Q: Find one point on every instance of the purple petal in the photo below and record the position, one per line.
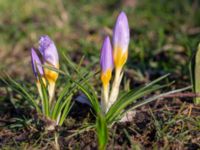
(36, 63)
(106, 60)
(121, 34)
(48, 51)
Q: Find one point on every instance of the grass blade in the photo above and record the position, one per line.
(130, 97)
(102, 132)
(93, 100)
(60, 98)
(18, 88)
(45, 100)
(67, 108)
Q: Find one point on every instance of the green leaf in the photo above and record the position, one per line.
(125, 101)
(54, 69)
(45, 100)
(121, 104)
(55, 111)
(61, 105)
(92, 98)
(67, 107)
(102, 131)
(153, 98)
(70, 63)
(21, 90)
(195, 73)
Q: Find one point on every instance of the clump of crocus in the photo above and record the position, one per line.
(112, 108)
(45, 65)
(46, 73)
(121, 37)
(43, 74)
(50, 58)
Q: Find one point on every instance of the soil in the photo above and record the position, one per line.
(142, 131)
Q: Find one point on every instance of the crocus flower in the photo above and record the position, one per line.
(121, 37)
(50, 58)
(106, 62)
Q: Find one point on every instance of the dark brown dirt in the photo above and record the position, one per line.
(168, 123)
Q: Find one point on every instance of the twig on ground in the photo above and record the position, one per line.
(188, 94)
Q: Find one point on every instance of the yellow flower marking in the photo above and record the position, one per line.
(50, 75)
(105, 77)
(119, 57)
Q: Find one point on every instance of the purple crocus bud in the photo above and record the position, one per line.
(48, 51)
(36, 63)
(106, 61)
(50, 57)
(121, 37)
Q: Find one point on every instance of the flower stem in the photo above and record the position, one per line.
(115, 88)
(105, 97)
(51, 90)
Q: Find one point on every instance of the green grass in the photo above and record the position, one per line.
(163, 33)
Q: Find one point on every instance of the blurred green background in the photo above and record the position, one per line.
(164, 33)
